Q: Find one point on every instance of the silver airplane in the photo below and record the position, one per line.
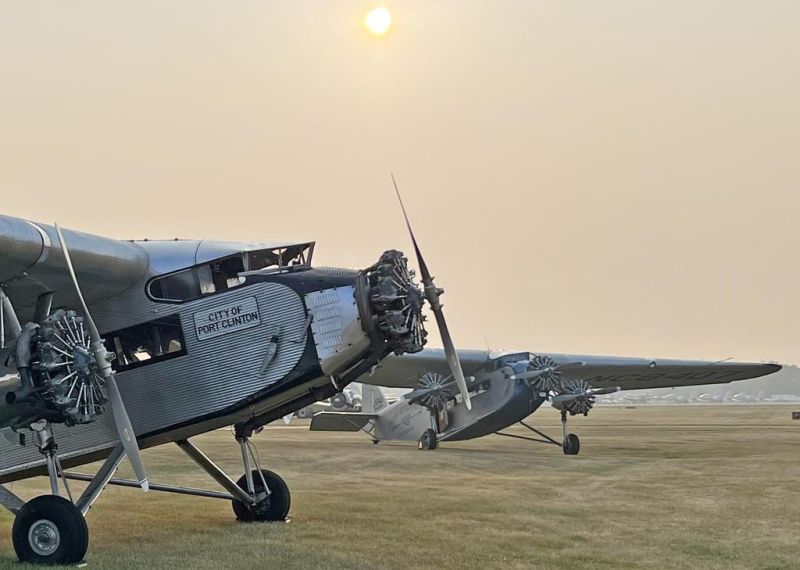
(108, 347)
(506, 388)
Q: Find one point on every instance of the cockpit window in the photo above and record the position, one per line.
(175, 287)
(280, 257)
(226, 273)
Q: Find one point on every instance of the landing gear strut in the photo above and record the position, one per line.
(270, 491)
(570, 443)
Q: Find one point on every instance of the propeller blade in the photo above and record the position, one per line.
(124, 428)
(603, 391)
(432, 295)
(125, 431)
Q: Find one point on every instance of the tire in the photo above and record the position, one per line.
(573, 445)
(50, 530)
(428, 440)
(304, 413)
(274, 508)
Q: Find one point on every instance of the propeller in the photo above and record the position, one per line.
(121, 419)
(432, 391)
(432, 294)
(580, 398)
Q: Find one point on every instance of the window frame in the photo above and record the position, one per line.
(114, 344)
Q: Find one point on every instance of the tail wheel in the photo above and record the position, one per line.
(573, 445)
(50, 530)
(274, 507)
(428, 440)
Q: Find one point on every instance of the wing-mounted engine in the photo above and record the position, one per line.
(433, 391)
(60, 378)
(548, 378)
(390, 304)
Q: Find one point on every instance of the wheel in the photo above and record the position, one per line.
(573, 445)
(274, 507)
(304, 413)
(50, 530)
(375, 441)
(428, 440)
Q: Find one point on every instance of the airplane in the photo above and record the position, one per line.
(505, 388)
(109, 346)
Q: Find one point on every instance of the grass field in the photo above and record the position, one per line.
(669, 487)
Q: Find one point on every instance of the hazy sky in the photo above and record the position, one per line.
(597, 177)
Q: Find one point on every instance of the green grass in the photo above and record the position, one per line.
(673, 487)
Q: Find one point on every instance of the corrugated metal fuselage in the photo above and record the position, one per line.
(224, 377)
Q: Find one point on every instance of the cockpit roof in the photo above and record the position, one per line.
(171, 255)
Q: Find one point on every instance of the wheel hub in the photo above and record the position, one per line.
(44, 537)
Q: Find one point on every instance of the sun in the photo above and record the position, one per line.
(378, 21)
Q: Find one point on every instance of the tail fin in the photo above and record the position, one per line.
(372, 399)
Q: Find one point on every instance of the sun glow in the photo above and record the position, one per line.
(378, 21)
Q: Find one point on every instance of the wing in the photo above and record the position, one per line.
(637, 373)
(601, 371)
(32, 263)
(405, 371)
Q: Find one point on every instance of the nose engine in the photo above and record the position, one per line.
(390, 305)
(355, 326)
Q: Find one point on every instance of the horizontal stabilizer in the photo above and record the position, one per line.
(340, 421)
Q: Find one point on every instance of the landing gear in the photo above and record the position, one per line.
(268, 495)
(428, 440)
(274, 502)
(570, 444)
(50, 530)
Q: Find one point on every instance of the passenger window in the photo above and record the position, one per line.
(148, 343)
